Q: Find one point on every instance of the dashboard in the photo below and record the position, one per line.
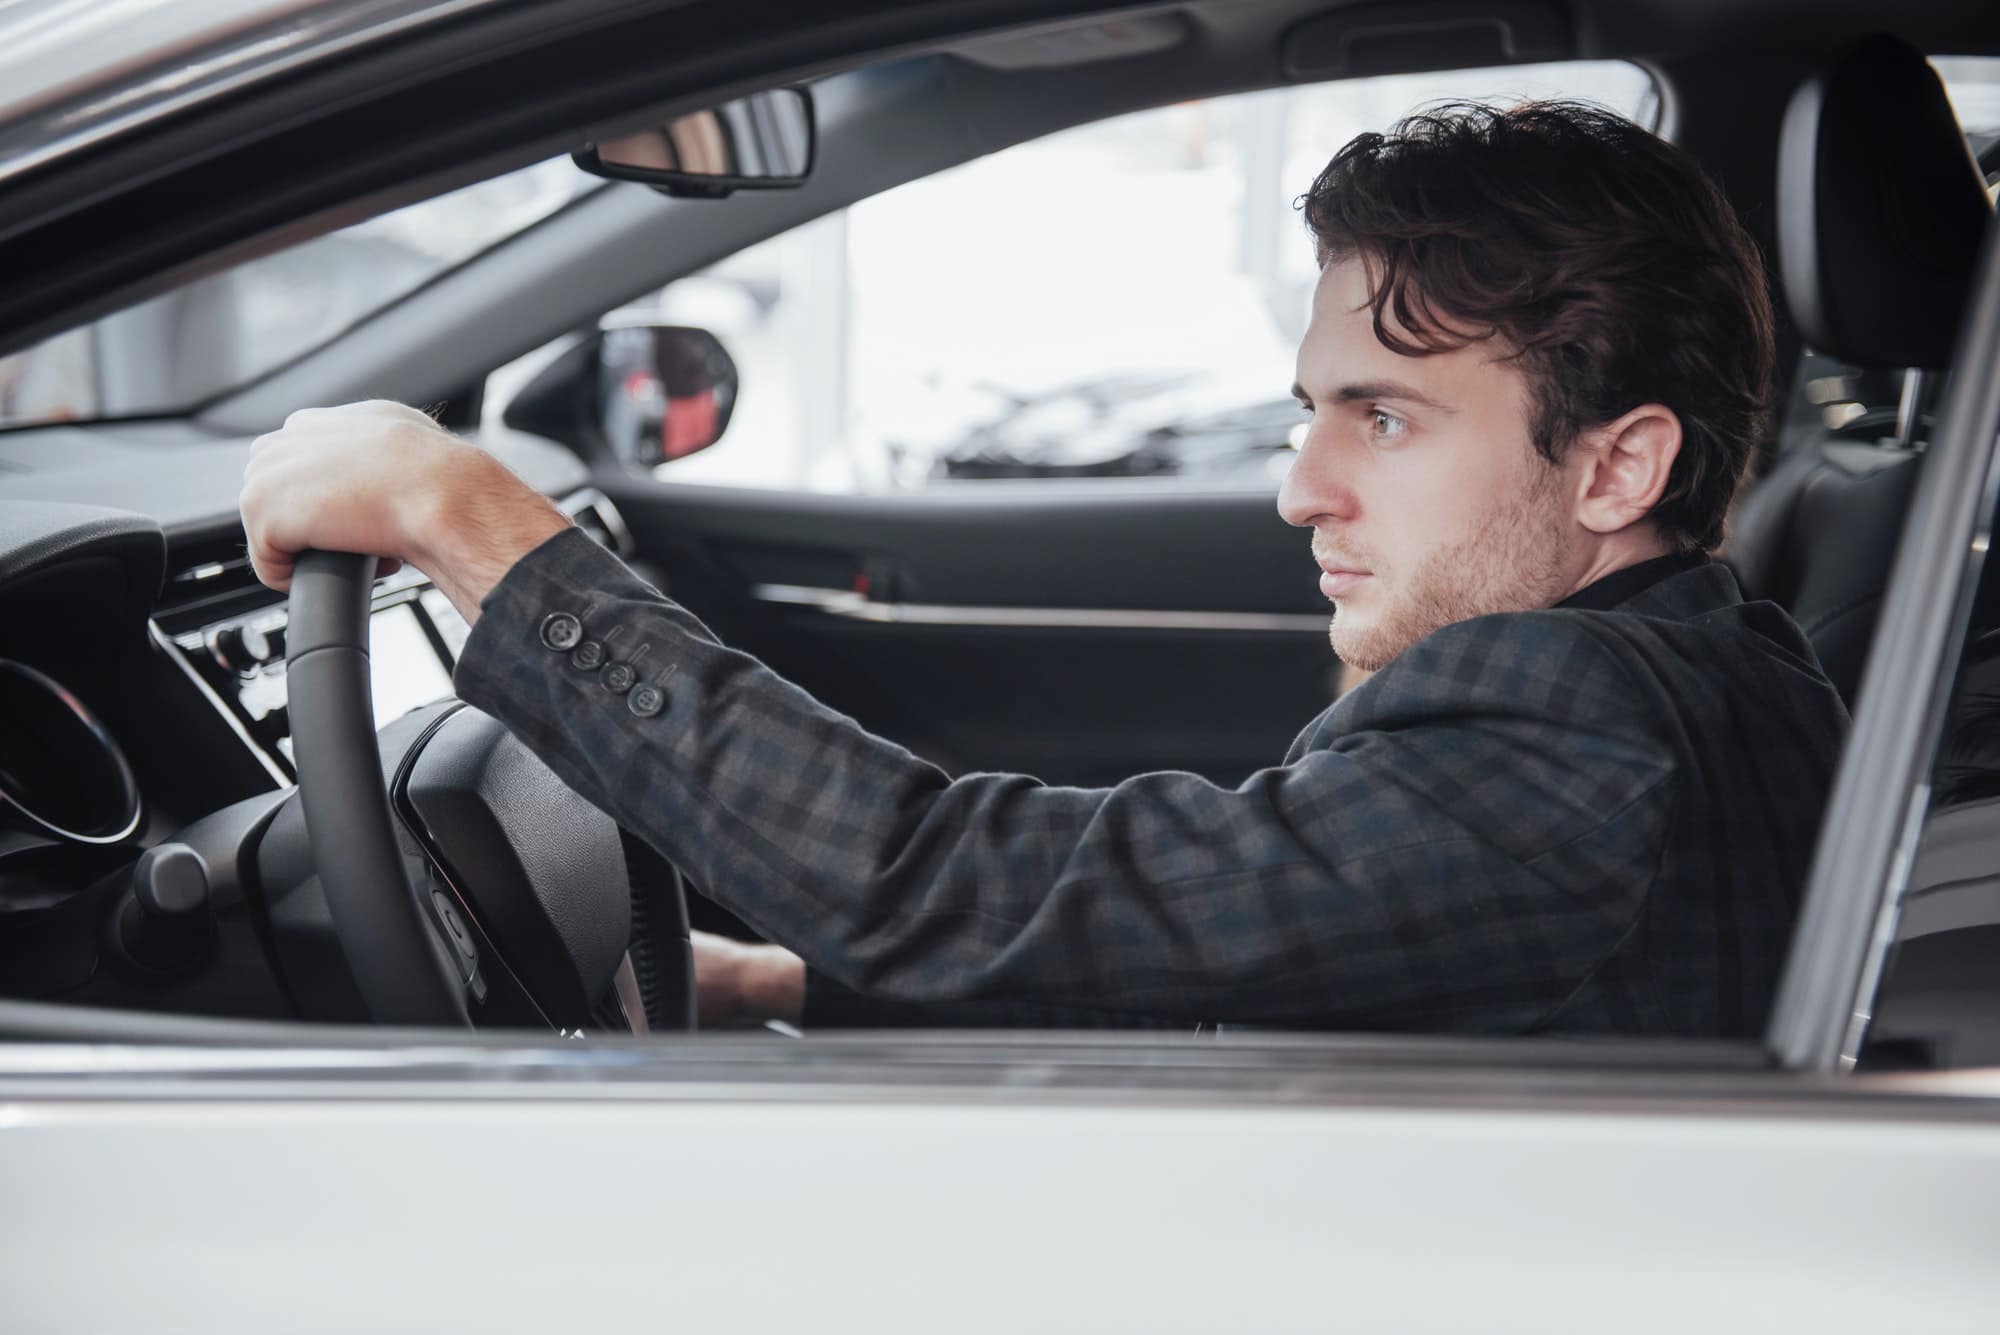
(225, 630)
(143, 706)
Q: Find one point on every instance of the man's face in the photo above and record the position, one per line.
(1417, 476)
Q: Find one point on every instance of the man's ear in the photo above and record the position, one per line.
(1625, 465)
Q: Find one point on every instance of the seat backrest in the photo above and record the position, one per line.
(1880, 213)
(1816, 537)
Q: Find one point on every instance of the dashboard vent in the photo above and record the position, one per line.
(206, 573)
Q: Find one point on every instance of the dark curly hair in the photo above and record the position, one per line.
(1602, 255)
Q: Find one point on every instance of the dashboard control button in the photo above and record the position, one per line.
(229, 650)
(162, 925)
(171, 879)
(561, 632)
(587, 657)
(646, 701)
(264, 644)
(620, 677)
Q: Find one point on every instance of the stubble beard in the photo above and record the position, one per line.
(1513, 562)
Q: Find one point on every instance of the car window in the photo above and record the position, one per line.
(1118, 300)
(1973, 83)
(231, 328)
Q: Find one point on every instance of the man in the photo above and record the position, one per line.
(1579, 794)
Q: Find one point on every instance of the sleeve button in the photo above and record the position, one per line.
(561, 632)
(587, 657)
(646, 701)
(619, 678)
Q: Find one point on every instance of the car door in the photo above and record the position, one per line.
(1079, 634)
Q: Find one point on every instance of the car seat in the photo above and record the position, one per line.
(1880, 211)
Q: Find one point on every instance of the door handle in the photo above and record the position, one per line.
(860, 607)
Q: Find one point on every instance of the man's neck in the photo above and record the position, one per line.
(1615, 553)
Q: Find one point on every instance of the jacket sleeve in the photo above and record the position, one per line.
(1464, 852)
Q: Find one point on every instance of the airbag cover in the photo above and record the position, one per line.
(542, 869)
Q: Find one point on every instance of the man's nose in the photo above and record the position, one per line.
(1313, 489)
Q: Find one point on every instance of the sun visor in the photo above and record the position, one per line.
(1880, 209)
(1400, 38)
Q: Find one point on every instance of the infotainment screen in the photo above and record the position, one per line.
(407, 670)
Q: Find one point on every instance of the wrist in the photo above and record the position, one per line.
(473, 520)
(772, 984)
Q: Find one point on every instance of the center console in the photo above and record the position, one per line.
(228, 632)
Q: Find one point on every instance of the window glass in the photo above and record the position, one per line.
(231, 328)
(1973, 83)
(55, 381)
(1118, 300)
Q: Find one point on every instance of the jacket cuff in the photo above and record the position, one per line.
(545, 602)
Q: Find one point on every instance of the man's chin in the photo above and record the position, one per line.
(1358, 642)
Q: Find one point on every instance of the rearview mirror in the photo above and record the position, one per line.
(761, 142)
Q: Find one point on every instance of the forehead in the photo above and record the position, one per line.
(1340, 346)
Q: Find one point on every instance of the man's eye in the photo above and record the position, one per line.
(1387, 426)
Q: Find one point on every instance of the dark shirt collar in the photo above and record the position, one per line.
(1621, 586)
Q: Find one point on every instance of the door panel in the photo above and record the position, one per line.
(969, 625)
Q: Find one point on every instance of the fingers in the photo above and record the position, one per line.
(360, 477)
(272, 564)
(357, 416)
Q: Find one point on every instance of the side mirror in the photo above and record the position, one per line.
(637, 395)
(761, 142)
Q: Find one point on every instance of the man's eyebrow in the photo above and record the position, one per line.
(1394, 390)
(1367, 390)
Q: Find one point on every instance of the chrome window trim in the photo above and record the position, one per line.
(860, 607)
(1055, 1071)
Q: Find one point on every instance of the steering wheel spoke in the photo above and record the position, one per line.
(538, 889)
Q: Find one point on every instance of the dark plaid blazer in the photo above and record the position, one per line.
(1571, 820)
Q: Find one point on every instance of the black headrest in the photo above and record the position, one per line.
(1880, 208)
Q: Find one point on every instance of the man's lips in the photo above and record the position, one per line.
(1339, 577)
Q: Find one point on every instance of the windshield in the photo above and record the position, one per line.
(230, 329)
(233, 327)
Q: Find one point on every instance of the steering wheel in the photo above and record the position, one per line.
(529, 883)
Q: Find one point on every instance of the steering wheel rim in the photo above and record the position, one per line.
(401, 968)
